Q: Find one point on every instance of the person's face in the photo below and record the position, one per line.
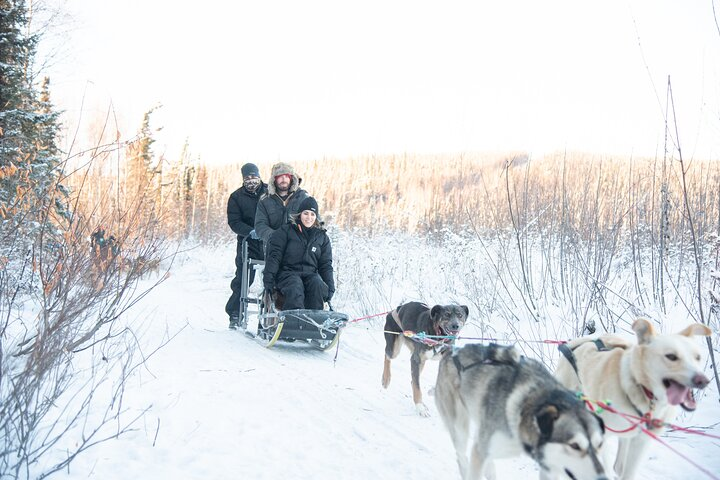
(307, 217)
(282, 182)
(251, 183)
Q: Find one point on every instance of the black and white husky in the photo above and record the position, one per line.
(514, 405)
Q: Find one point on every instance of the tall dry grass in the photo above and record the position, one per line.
(588, 195)
(589, 199)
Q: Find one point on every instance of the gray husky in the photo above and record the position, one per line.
(515, 405)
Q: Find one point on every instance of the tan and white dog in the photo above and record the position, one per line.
(651, 377)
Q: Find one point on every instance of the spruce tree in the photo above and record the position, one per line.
(29, 157)
(142, 185)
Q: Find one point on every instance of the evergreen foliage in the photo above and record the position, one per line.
(30, 194)
(143, 176)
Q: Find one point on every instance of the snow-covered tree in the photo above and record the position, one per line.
(30, 193)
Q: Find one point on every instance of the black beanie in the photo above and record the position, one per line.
(309, 204)
(250, 169)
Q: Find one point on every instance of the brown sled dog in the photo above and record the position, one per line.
(418, 317)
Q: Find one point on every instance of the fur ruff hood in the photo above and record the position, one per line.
(281, 168)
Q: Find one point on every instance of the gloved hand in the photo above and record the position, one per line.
(329, 296)
(254, 235)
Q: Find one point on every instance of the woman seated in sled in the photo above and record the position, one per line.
(298, 262)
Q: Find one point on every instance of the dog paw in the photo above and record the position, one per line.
(422, 409)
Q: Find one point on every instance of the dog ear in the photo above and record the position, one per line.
(436, 311)
(696, 329)
(545, 419)
(466, 310)
(644, 331)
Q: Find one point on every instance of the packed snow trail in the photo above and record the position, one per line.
(225, 407)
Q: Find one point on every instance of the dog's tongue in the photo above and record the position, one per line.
(678, 394)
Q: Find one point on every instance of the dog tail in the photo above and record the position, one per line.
(476, 354)
(504, 354)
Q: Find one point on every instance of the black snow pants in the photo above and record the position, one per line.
(302, 290)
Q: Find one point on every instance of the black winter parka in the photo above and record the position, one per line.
(296, 249)
(241, 209)
(273, 212)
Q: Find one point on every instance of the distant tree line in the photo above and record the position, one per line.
(587, 194)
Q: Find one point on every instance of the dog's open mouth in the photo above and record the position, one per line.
(451, 332)
(679, 394)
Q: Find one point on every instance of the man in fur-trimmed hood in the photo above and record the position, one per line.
(283, 199)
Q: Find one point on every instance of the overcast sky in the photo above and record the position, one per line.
(288, 79)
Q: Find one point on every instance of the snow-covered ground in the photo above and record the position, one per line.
(222, 406)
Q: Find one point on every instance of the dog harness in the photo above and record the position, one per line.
(437, 345)
(570, 356)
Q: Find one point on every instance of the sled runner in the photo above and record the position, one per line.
(261, 318)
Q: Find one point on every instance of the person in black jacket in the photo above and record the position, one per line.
(282, 200)
(298, 261)
(241, 209)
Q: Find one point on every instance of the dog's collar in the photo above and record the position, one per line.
(650, 396)
(648, 393)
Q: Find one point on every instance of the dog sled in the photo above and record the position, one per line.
(262, 317)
